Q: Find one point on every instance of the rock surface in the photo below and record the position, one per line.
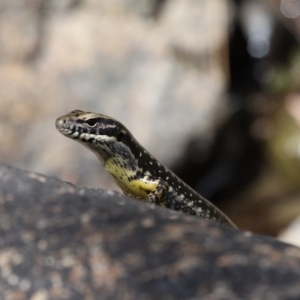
(59, 241)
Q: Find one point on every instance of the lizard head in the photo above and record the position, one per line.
(105, 136)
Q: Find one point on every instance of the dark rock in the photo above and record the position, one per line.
(60, 241)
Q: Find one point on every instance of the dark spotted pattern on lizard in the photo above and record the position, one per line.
(134, 169)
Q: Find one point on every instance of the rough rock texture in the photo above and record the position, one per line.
(59, 241)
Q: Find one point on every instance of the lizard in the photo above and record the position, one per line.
(135, 170)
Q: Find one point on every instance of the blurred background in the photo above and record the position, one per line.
(210, 88)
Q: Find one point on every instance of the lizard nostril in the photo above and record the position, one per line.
(61, 123)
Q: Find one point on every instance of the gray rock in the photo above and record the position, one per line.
(154, 65)
(19, 31)
(60, 241)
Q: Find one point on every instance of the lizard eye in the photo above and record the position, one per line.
(120, 136)
(91, 122)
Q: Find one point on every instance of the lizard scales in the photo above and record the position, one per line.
(134, 169)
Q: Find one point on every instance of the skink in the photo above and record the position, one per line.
(134, 169)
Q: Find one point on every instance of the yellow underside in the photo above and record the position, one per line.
(138, 188)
